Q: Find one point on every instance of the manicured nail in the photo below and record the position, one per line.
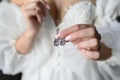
(58, 35)
(68, 38)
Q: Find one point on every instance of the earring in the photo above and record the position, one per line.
(59, 41)
(62, 42)
(56, 42)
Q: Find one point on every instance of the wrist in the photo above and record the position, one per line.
(31, 32)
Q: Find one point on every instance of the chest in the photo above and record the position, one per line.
(58, 8)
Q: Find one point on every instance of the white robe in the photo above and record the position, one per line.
(47, 62)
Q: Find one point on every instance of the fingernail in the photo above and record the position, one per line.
(58, 35)
(68, 38)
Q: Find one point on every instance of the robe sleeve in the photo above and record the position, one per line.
(108, 27)
(11, 62)
(107, 24)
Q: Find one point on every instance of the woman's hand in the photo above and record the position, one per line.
(33, 13)
(85, 38)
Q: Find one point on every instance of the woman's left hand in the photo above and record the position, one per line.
(85, 38)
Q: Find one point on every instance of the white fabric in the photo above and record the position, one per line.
(45, 61)
(108, 27)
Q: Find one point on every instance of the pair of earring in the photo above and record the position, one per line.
(59, 41)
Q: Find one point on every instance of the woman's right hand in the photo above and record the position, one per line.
(33, 13)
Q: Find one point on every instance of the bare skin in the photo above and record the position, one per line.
(34, 12)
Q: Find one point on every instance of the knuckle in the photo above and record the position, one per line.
(95, 42)
(92, 26)
(81, 45)
(77, 26)
(36, 4)
(64, 32)
(84, 26)
(37, 12)
(92, 31)
(74, 36)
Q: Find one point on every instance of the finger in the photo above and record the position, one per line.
(34, 13)
(31, 5)
(43, 9)
(77, 41)
(31, 13)
(83, 54)
(84, 33)
(88, 44)
(39, 17)
(70, 30)
(36, 5)
(91, 54)
(46, 4)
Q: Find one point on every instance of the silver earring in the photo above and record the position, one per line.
(62, 42)
(56, 42)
